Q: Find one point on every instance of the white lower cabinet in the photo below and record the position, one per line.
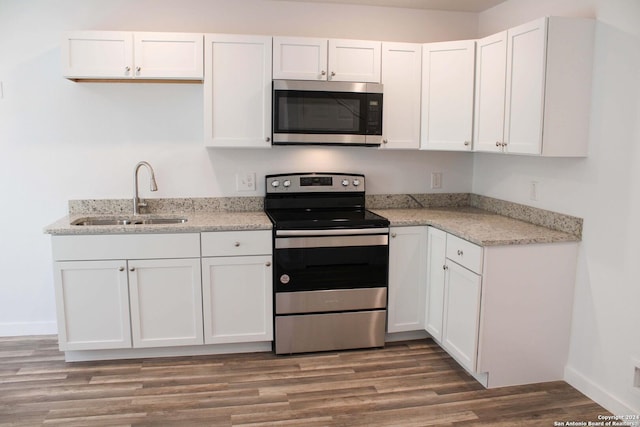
(106, 300)
(237, 286)
(237, 299)
(128, 291)
(166, 302)
(461, 313)
(501, 311)
(453, 295)
(92, 300)
(407, 277)
(436, 250)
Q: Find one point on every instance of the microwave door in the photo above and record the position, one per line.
(319, 117)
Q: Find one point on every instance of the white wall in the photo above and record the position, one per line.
(604, 189)
(63, 140)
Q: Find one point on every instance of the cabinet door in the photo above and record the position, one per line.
(166, 302)
(447, 95)
(401, 77)
(526, 52)
(237, 91)
(92, 302)
(237, 299)
(97, 54)
(299, 58)
(436, 249)
(461, 314)
(354, 60)
(491, 66)
(168, 56)
(407, 279)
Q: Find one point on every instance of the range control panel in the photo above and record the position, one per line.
(314, 183)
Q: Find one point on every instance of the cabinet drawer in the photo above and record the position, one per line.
(467, 254)
(125, 246)
(232, 243)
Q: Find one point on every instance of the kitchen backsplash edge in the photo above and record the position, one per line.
(553, 220)
(545, 218)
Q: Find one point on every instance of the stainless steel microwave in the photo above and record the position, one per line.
(331, 113)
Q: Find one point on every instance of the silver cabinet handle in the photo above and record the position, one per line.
(127, 69)
(393, 235)
(504, 144)
(323, 73)
(132, 269)
(121, 269)
(467, 143)
(236, 244)
(267, 139)
(138, 69)
(333, 74)
(460, 253)
(498, 144)
(268, 264)
(444, 267)
(385, 141)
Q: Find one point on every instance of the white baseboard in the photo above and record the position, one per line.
(195, 350)
(597, 393)
(17, 329)
(405, 336)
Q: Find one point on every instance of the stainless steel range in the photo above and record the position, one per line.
(331, 263)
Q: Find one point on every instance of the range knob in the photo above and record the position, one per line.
(287, 183)
(275, 183)
(345, 182)
(356, 182)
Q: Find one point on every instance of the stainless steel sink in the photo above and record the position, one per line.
(161, 221)
(128, 221)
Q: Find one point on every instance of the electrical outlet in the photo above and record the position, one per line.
(533, 190)
(436, 180)
(246, 181)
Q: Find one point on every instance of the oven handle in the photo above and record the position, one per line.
(334, 232)
(331, 241)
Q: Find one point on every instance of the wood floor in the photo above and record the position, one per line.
(405, 384)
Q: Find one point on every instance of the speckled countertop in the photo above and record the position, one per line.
(476, 225)
(458, 216)
(196, 222)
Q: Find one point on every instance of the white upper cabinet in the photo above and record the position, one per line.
(303, 58)
(491, 67)
(547, 88)
(237, 91)
(97, 54)
(127, 55)
(296, 58)
(525, 80)
(401, 77)
(168, 56)
(354, 61)
(447, 95)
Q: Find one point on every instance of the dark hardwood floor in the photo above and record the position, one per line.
(406, 384)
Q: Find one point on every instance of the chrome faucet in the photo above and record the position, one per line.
(137, 203)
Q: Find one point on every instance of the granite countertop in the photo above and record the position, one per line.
(196, 222)
(476, 225)
(486, 222)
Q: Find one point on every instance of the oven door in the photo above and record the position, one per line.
(314, 263)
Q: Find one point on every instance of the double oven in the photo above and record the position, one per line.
(331, 263)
